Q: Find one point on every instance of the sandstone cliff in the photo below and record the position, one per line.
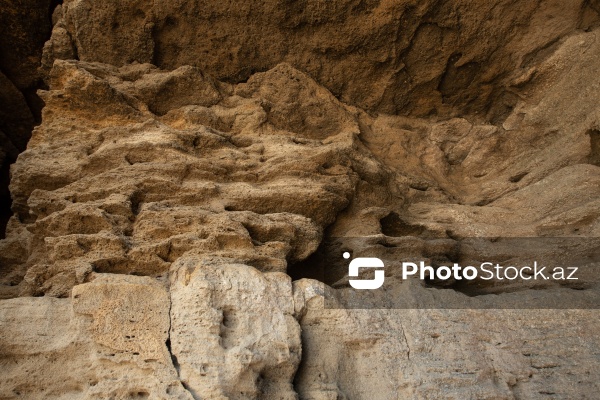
(176, 211)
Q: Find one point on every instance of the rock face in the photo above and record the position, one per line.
(108, 340)
(176, 212)
(250, 175)
(24, 30)
(423, 58)
(244, 323)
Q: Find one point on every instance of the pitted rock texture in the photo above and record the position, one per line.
(165, 215)
(157, 164)
(108, 340)
(244, 322)
(423, 58)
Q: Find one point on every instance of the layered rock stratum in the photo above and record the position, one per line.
(176, 211)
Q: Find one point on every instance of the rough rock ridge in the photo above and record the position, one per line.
(171, 220)
(159, 164)
(416, 57)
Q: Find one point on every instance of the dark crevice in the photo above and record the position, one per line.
(136, 199)
(174, 360)
(35, 105)
(53, 5)
(34, 102)
(173, 356)
(243, 75)
(518, 177)
(5, 199)
(325, 265)
(156, 51)
(594, 157)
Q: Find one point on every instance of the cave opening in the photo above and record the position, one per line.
(322, 265)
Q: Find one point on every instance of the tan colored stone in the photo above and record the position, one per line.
(221, 192)
(108, 340)
(232, 330)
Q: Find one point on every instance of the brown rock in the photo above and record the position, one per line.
(25, 26)
(221, 191)
(134, 190)
(243, 322)
(395, 57)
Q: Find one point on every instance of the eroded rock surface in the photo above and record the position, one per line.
(404, 56)
(244, 323)
(166, 214)
(231, 172)
(108, 340)
(450, 354)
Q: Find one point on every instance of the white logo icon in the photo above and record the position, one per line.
(365, 262)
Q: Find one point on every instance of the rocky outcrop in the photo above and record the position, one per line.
(433, 354)
(421, 58)
(178, 227)
(158, 164)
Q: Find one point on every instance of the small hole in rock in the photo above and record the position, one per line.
(518, 177)
(393, 225)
